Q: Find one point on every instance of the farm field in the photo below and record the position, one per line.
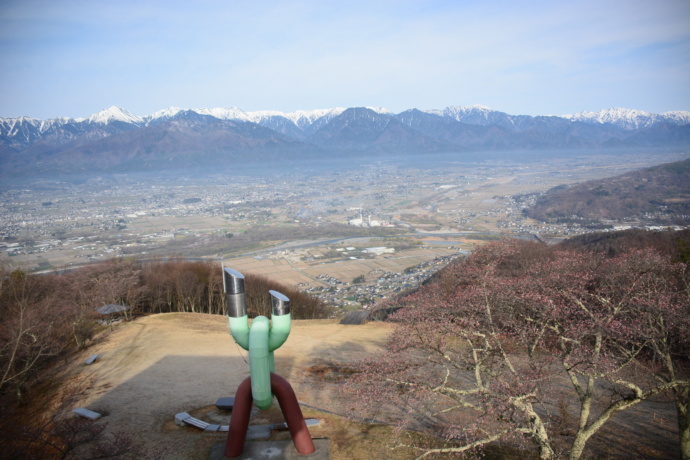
(300, 273)
(52, 225)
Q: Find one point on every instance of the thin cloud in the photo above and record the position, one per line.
(74, 58)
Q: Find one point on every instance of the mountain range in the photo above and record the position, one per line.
(117, 140)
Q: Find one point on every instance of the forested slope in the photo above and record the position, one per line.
(539, 347)
(659, 194)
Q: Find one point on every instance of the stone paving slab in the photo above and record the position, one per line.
(273, 450)
(85, 413)
(225, 403)
(259, 431)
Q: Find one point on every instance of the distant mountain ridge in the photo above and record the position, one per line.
(631, 118)
(660, 194)
(114, 138)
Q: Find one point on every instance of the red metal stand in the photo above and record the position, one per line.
(239, 421)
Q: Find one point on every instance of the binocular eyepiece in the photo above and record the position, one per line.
(236, 296)
(234, 293)
(280, 303)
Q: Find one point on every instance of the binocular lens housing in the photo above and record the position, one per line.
(234, 293)
(281, 304)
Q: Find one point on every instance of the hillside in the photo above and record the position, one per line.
(155, 366)
(520, 321)
(675, 243)
(660, 194)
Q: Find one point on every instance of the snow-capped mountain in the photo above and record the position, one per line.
(476, 115)
(630, 118)
(24, 131)
(164, 114)
(676, 117)
(116, 139)
(302, 120)
(309, 121)
(114, 114)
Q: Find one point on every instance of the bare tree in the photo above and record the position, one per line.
(32, 323)
(486, 342)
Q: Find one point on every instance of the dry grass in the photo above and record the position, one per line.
(156, 366)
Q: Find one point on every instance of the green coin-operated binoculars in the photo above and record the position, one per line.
(261, 340)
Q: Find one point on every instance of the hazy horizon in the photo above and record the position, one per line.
(76, 58)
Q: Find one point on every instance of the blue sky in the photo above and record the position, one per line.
(74, 58)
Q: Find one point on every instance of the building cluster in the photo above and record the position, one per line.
(368, 221)
(116, 215)
(99, 216)
(376, 286)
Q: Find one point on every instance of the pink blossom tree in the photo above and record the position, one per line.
(487, 341)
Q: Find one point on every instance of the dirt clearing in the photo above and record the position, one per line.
(150, 369)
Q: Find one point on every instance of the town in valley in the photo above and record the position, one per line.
(353, 236)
